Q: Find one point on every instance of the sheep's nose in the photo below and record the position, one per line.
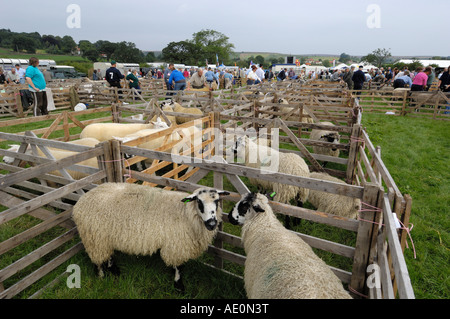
(211, 224)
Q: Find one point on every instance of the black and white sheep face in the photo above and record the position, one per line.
(207, 204)
(249, 205)
(331, 138)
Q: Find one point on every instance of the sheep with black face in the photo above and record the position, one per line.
(140, 220)
(279, 264)
(324, 135)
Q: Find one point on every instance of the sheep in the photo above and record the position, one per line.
(166, 106)
(140, 220)
(105, 131)
(324, 135)
(59, 154)
(294, 117)
(191, 136)
(332, 203)
(279, 264)
(287, 163)
(189, 110)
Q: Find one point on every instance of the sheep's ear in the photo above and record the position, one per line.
(258, 209)
(223, 193)
(189, 198)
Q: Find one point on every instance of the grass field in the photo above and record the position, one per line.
(416, 153)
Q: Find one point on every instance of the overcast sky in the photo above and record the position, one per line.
(408, 28)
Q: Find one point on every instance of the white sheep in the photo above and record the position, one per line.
(295, 116)
(166, 106)
(60, 154)
(140, 220)
(188, 110)
(279, 264)
(264, 157)
(324, 135)
(106, 131)
(333, 203)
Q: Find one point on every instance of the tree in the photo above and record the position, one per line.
(184, 52)
(378, 57)
(127, 52)
(67, 44)
(105, 47)
(211, 43)
(326, 63)
(21, 42)
(88, 50)
(344, 58)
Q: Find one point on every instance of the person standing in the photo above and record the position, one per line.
(444, 81)
(167, 72)
(21, 72)
(282, 75)
(251, 76)
(260, 74)
(358, 79)
(431, 78)
(113, 77)
(12, 77)
(37, 85)
(177, 77)
(347, 78)
(197, 80)
(420, 80)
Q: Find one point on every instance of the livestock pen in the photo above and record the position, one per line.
(26, 190)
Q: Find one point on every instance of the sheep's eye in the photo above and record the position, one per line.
(201, 207)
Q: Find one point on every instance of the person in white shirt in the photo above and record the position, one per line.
(251, 76)
(21, 72)
(13, 77)
(260, 74)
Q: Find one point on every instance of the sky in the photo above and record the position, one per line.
(355, 27)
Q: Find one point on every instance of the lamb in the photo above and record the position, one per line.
(140, 220)
(325, 136)
(332, 203)
(279, 264)
(105, 131)
(287, 163)
(189, 110)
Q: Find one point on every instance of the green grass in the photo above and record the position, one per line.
(40, 54)
(416, 153)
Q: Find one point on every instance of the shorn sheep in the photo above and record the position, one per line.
(295, 116)
(332, 203)
(140, 220)
(106, 131)
(279, 264)
(325, 136)
(189, 110)
(60, 153)
(269, 159)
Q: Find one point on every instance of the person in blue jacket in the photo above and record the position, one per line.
(177, 77)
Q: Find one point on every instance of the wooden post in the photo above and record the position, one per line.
(353, 153)
(108, 162)
(18, 102)
(372, 194)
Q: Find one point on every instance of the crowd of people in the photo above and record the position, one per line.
(420, 79)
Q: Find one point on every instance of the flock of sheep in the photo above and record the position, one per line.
(279, 264)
